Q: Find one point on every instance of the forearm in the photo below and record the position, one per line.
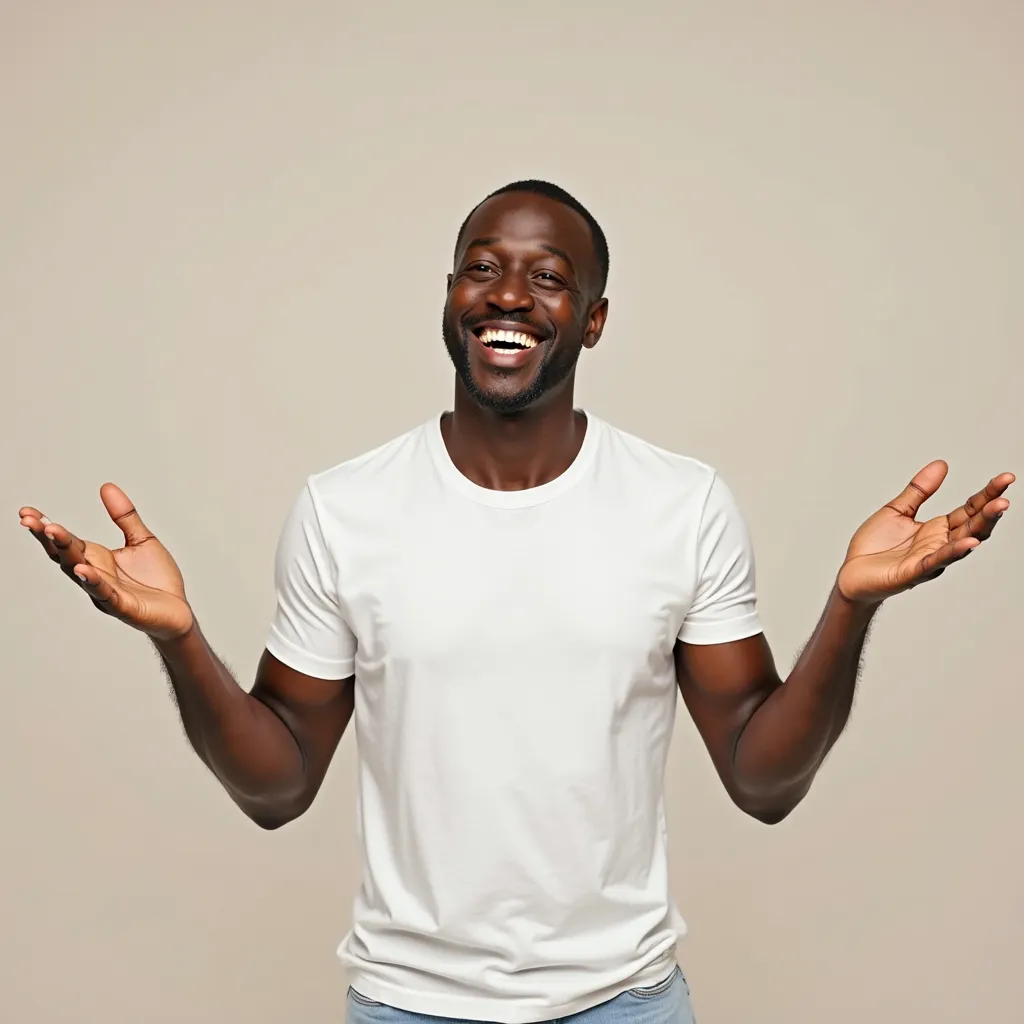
(245, 744)
(790, 733)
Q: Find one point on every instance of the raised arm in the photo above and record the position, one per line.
(767, 739)
(270, 747)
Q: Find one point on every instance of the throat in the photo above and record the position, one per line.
(512, 453)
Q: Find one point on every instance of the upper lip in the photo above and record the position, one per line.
(502, 325)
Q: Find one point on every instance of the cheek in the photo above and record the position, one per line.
(563, 311)
(462, 296)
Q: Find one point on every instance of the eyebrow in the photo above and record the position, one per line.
(553, 249)
(561, 254)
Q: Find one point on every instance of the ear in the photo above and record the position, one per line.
(595, 323)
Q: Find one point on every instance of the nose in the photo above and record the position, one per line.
(510, 293)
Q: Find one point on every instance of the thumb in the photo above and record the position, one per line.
(920, 489)
(122, 511)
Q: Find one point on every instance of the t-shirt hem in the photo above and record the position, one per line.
(721, 632)
(504, 1011)
(306, 663)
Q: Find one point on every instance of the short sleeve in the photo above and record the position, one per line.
(724, 607)
(308, 632)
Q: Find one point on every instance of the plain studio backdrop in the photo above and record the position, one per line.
(225, 234)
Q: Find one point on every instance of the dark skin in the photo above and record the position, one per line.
(523, 262)
(526, 262)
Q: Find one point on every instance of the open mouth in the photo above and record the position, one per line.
(506, 340)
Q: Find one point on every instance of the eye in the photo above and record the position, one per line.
(550, 279)
(479, 268)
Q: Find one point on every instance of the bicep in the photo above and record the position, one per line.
(308, 631)
(316, 711)
(306, 674)
(722, 685)
(724, 665)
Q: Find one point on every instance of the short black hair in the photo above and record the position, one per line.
(546, 188)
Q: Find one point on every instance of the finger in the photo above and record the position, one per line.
(920, 489)
(954, 551)
(976, 502)
(35, 522)
(66, 546)
(122, 511)
(58, 543)
(982, 523)
(101, 587)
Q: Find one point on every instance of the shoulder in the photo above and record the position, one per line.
(668, 482)
(632, 455)
(373, 476)
(365, 493)
(348, 502)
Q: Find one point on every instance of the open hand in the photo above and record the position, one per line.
(892, 552)
(140, 584)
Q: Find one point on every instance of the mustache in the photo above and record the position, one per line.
(471, 323)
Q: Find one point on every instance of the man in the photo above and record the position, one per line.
(508, 599)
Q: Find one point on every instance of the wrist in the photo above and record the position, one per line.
(857, 608)
(172, 645)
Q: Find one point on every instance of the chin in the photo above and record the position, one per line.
(501, 393)
(502, 401)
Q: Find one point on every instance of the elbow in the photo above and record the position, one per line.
(270, 815)
(270, 824)
(769, 815)
(268, 800)
(769, 807)
(270, 819)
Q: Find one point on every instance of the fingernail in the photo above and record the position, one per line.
(44, 520)
(81, 578)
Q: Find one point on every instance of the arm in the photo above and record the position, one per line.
(768, 739)
(270, 749)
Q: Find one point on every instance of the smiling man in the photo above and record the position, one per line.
(512, 654)
(528, 347)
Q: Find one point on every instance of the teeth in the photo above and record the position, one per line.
(490, 336)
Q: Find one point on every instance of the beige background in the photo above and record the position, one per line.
(226, 228)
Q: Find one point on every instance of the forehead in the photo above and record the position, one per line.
(527, 220)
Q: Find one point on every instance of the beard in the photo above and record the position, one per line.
(556, 366)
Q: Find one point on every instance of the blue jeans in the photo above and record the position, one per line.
(668, 1002)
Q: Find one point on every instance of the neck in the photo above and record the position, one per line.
(512, 453)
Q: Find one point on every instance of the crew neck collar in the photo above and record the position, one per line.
(527, 496)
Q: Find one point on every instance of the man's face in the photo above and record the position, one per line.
(523, 300)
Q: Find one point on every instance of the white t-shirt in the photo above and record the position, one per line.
(515, 697)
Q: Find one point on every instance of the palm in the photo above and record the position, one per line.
(892, 552)
(145, 572)
(890, 547)
(139, 583)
